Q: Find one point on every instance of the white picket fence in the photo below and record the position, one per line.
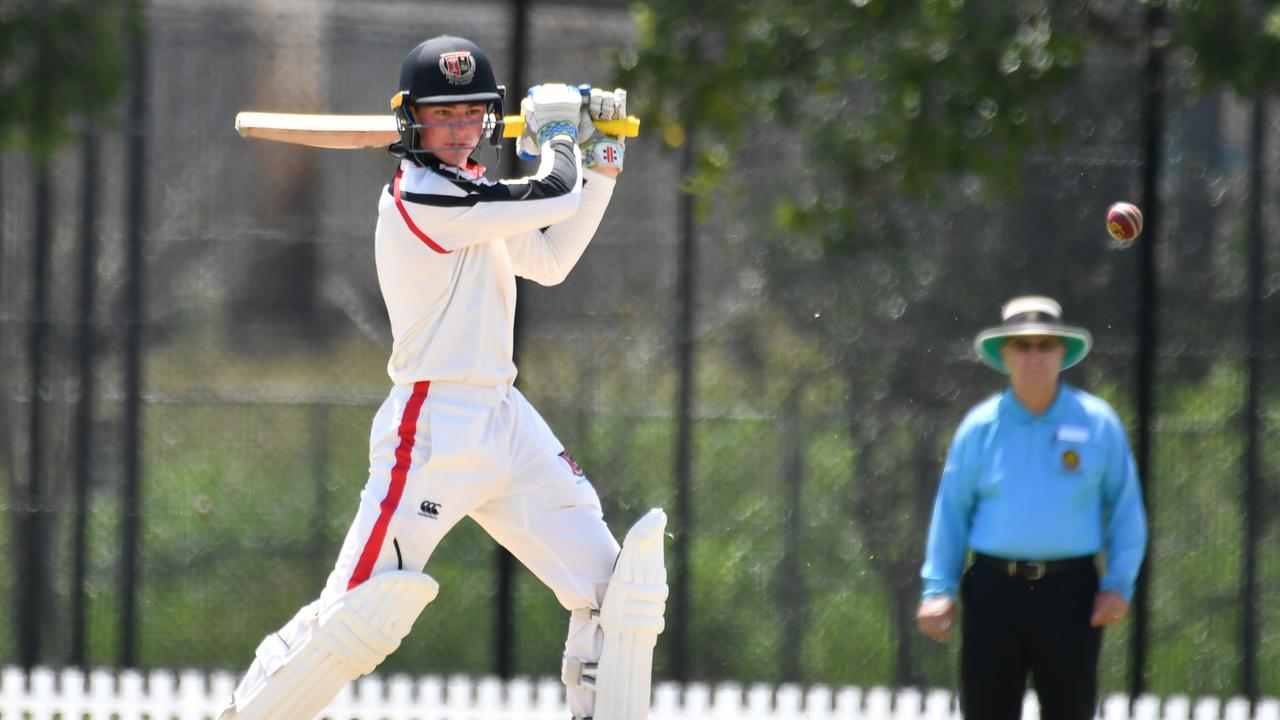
(46, 694)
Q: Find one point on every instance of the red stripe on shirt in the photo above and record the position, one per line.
(399, 476)
(408, 221)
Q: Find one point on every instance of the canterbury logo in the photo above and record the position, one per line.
(429, 509)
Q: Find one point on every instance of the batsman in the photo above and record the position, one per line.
(454, 437)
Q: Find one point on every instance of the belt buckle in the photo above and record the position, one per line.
(1037, 569)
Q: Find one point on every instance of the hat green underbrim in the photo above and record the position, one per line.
(1077, 341)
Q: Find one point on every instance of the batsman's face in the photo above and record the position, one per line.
(451, 132)
(1034, 361)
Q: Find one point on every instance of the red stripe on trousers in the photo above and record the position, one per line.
(408, 221)
(399, 476)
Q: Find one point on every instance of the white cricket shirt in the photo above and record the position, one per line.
(449, 244)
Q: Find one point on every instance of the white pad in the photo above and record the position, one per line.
(631, 619)
(346, 640)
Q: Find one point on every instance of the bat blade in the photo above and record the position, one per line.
(322, 131)
(346, 132)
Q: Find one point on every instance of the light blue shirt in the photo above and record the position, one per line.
(1059, 485)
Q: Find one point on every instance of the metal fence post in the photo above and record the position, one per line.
(135, 316)
(504, 627)
(683, 514)
(1153, 121)
(83, 429)
(32, 516)
(1253, 503)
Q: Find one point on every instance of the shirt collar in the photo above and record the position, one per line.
(1010, 407)
(471, 171)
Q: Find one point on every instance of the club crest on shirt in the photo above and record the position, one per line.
(1071, 460)
(458, 67)
(572, 465)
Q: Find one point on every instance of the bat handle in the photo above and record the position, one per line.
(513, 126)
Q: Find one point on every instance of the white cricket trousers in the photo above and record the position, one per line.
(441, 451)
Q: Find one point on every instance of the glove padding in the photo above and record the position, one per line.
(549, 110)
(599, 105)
(600, 150)
(603, 151)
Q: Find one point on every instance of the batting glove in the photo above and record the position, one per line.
(549, 110)
(599, 105)
(606, 105)
(603, 151)
(586, 128)
(527, 146)
(553, 110)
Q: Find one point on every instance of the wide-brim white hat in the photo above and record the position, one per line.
(1032, 315)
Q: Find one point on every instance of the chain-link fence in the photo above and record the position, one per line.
(823, 392)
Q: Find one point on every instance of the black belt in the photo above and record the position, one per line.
(1030, 569)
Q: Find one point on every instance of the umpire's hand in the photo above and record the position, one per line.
(1108, 607)
(937, 617)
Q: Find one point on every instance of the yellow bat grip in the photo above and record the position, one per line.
(513, 126)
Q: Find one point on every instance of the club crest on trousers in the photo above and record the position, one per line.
(572, 465)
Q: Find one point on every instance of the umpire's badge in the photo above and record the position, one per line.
(458, 67)
(1071, 460)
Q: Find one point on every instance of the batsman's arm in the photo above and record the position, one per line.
(490, 211)
(546, 255)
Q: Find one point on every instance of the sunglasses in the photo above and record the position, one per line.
(1043, 345)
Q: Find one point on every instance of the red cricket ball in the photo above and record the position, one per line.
(1124, 221)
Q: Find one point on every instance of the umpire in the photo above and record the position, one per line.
(1038, 482)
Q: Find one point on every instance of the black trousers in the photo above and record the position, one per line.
(1012, 628)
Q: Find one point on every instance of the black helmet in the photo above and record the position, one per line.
(445, 70)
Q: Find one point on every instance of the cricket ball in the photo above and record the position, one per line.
(1124, 221)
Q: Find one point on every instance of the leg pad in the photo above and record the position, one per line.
(631, 619)
(298, 671)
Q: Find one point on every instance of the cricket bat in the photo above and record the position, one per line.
(344, 132)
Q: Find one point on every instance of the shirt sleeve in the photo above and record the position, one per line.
(546, 256)
(952, 516)
(1124, 519)
(448, 222)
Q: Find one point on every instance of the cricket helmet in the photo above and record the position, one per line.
(445, 70)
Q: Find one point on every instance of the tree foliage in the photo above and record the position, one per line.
(899, 93)
(61, 69)
(911, 93)
(886, 121)
(1236, 42)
